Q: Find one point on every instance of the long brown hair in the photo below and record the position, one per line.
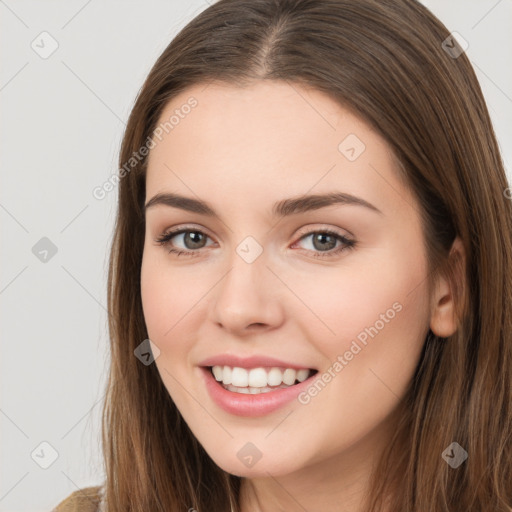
(386, 61)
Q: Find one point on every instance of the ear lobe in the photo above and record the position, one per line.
(443, 316)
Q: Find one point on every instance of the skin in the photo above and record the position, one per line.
(241, 150)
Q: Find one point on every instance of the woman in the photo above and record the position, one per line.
(370, 374)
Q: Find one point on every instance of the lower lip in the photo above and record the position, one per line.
(242, 404)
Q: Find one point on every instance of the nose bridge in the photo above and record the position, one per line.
(245, 282)
(246, 295)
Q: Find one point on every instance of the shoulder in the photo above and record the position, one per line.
(83, 500)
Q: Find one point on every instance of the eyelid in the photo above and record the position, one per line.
(348, 241)
(305, 230)
(175, 230)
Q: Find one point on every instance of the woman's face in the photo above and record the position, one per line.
(274, 285)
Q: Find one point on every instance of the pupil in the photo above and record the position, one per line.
(321, 238)
(194, 237)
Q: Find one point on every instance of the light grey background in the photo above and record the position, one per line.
(63, 119)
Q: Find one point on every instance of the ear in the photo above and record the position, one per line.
(443, 316)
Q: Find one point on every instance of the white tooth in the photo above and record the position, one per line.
(240, 377)
(274, 377)
(217, 372)
(289, 376)
(302, 375)
(257, 378)
(226, 375)
(253, 391)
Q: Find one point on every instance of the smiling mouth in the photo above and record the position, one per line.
(258, 380)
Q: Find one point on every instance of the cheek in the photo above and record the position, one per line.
(380, 305)
(164, 295)
(154, 300)
(166, 300)
(173, 303)
(378, 318)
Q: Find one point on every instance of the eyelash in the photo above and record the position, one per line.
(348, 244)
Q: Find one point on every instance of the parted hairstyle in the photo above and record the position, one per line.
(385, 61)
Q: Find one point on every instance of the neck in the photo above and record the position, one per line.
(342, 480)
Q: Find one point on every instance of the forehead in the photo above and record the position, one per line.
(251, 115)
(269, 140)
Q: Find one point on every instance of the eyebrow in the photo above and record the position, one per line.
(282, 208)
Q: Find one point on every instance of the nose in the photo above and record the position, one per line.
(248, 298)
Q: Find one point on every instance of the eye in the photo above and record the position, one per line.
(323, 243)
(193, 239)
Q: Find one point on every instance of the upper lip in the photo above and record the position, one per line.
(254, 361)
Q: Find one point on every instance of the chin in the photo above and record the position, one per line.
(245, 459)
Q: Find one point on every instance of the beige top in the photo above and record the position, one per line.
(88, 499)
